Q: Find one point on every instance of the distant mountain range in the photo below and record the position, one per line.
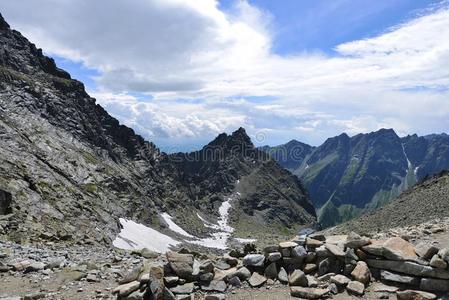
(346, 175)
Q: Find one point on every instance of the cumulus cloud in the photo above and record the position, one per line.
(202, 67)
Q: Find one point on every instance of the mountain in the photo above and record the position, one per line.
(69, 171)
(349, 175)
(414, 211)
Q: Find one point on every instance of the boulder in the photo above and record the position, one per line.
(282, 275)
(317, 236)
(438, 262)
(235, 281)
(312, 243)
(274, 256)
(168, 295)
(34, 267)
(271, 271)
(444, 254)
(224, 274)
(254, 260)
(133, 275)
(414, 295)
(299, 252)
(394, 248)
(284, 245)
(232, 261)
(257, 280)
(312, 281)
(361, 273)
(335, 250)
(340, 280)
(297, 278)
(355, 241)
(270, 249)
(126, 289)
(156, 285)
(308, 293)
(382, 288)
(207, 266)
(398, 278)
(222, 265)
(215, 297)
(181, 264)
(243, 273)
(206, 277)
(186, 288)
(409, 268)
(310, 268)
(171, 280)
(356, 288)
(426, 250)
(434, 285)
(214, 286)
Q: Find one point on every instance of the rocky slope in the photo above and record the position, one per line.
(349, 175)
(427, 200)
(69, 171)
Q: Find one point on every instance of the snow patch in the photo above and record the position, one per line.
(245, 241)
(173, 226)
(135, 236)
(416, 171)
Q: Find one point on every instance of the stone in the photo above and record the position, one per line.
(337, 239)
(147, 253)
(133, 275)
(157, 282)
(282, 275)
(126, 289)
(434, 285)
(284, 245)
(322, 252)
(310, 268)
(308, 293)
(232, 261)
(92, 278)
(144, 278)
(438, 262)
(271, 249)
(168, 295)
(254, 260)
(171, 280)
(311, 280)
(222, 265)
(356, 288)
(414, 295)
(393, 277)
(271, 271)
(257, 280)
(243, 273)
(444, 254)
(185, 297)
(333, 288)
(22, 265)
(186, 288)
(311, 257)
(326, 277)
(426, 250)
(34, 267)
(312, 243)
(324, 266)
(380, 288)
(207, 277)
(409, 268)
(235, 281)
(136, 295)
(317, 236)
(335, 250)
(394, 248)
(274, 256)
(355, 241)
(299, 252)
(207, 266)
(350, 257)
(340, 280)
(297, 278)
(361, 273)
(181, 264)
(214, 286)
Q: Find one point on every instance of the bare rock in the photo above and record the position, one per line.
(361, 273)
(414, 295)
(297, 278)
(308, 293)
(257, 280)
(356, 288)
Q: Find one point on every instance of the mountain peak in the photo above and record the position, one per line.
(3, 24)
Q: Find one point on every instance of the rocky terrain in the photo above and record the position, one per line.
(69, 171)
(347, 176)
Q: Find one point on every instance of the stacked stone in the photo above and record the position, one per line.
(313, 266)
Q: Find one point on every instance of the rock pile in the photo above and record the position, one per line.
(313, 266)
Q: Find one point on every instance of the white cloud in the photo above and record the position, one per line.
(215, 61)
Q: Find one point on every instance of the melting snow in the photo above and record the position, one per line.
(138, 236)
(245, 241)
(416, 171)
(173, 226)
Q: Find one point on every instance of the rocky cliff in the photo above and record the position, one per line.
(68, 170)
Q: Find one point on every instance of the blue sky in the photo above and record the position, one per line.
(181, 72)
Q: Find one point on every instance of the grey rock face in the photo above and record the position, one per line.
(254, 260)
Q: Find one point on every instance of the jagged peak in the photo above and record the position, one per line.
(3, 24)
(238, 141)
